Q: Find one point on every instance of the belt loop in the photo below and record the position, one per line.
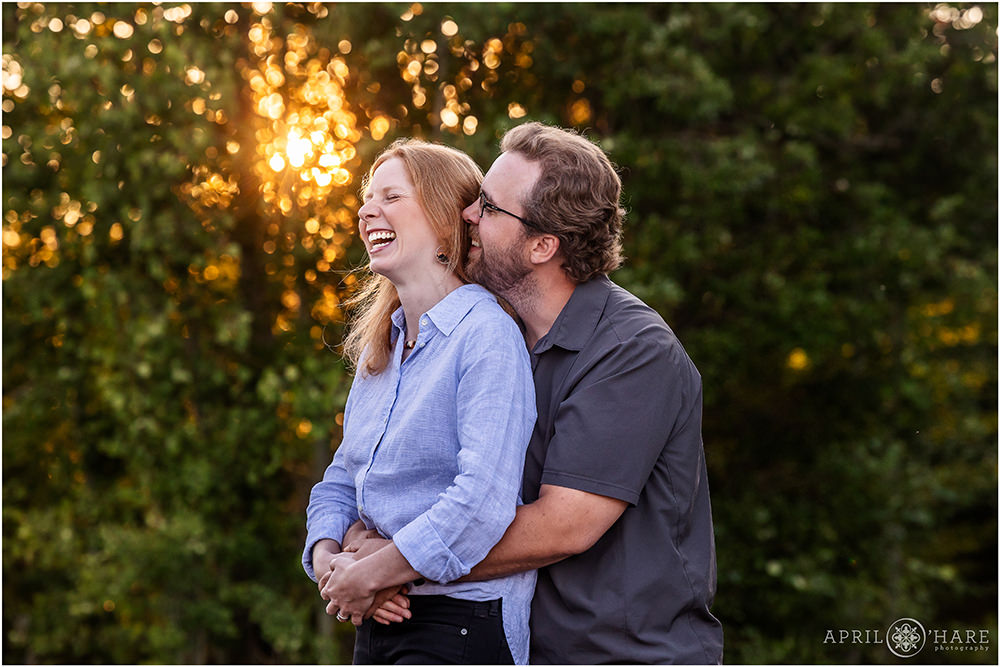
(495, 607)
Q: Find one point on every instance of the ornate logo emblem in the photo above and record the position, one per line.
(905, 637)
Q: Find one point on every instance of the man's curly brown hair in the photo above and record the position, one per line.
(576, 197)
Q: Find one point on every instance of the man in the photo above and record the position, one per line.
(617, 517)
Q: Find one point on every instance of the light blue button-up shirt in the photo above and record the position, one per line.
(433, 452)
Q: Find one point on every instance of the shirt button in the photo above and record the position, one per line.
(421, 345)
(423, 322)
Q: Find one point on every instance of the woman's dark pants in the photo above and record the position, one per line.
(442, 631)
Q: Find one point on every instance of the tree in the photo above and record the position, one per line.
(812, 197)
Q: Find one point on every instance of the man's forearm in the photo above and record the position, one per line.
(561, 523)
(527, 545)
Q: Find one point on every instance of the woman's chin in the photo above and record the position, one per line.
(388, 270)
(398, 269)
(380, 270)
(382, 265)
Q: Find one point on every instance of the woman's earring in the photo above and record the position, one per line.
(441, 257)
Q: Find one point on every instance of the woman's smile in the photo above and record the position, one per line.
(378, 239)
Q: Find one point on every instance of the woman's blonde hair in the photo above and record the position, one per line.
(446, 180)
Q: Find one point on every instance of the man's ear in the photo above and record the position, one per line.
(542, 248)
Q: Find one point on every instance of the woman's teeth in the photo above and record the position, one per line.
(475, 243)
(381, 238)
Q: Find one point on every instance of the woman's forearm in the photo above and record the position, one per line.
(322, 553)
(386, 567)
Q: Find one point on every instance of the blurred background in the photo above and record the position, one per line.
(812, 196)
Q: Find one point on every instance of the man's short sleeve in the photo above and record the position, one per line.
(610, 430)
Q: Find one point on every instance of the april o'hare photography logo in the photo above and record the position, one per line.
(905, 637)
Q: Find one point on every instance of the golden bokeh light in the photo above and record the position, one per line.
(446, 91)
(580, 112)
(305, 158)
(515, 110)
(194, 76)
(449, 118)
(797, 360)
(294, 149)
(123, 30)
(313, 132)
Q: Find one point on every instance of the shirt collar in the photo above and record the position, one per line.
(576, 322)
(449, 311)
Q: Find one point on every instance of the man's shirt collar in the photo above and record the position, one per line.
(576, 322)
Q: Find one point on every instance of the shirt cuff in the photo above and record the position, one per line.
(427, 553)
(332, 527)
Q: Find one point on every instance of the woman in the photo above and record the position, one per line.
(435, 429)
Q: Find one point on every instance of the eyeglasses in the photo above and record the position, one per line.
(485, 205)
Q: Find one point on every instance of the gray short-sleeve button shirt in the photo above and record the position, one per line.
(619, 414)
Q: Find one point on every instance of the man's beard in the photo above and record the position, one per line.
(502, 272)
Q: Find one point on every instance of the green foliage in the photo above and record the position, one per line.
(153, 465)
(813, 201)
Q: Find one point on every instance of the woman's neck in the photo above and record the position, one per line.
(419, 296)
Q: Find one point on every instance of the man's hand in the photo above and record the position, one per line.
(367, 544)
(363, 541)
(391, 606)
(358, 533)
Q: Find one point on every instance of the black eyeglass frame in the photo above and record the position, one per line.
(486, 205)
